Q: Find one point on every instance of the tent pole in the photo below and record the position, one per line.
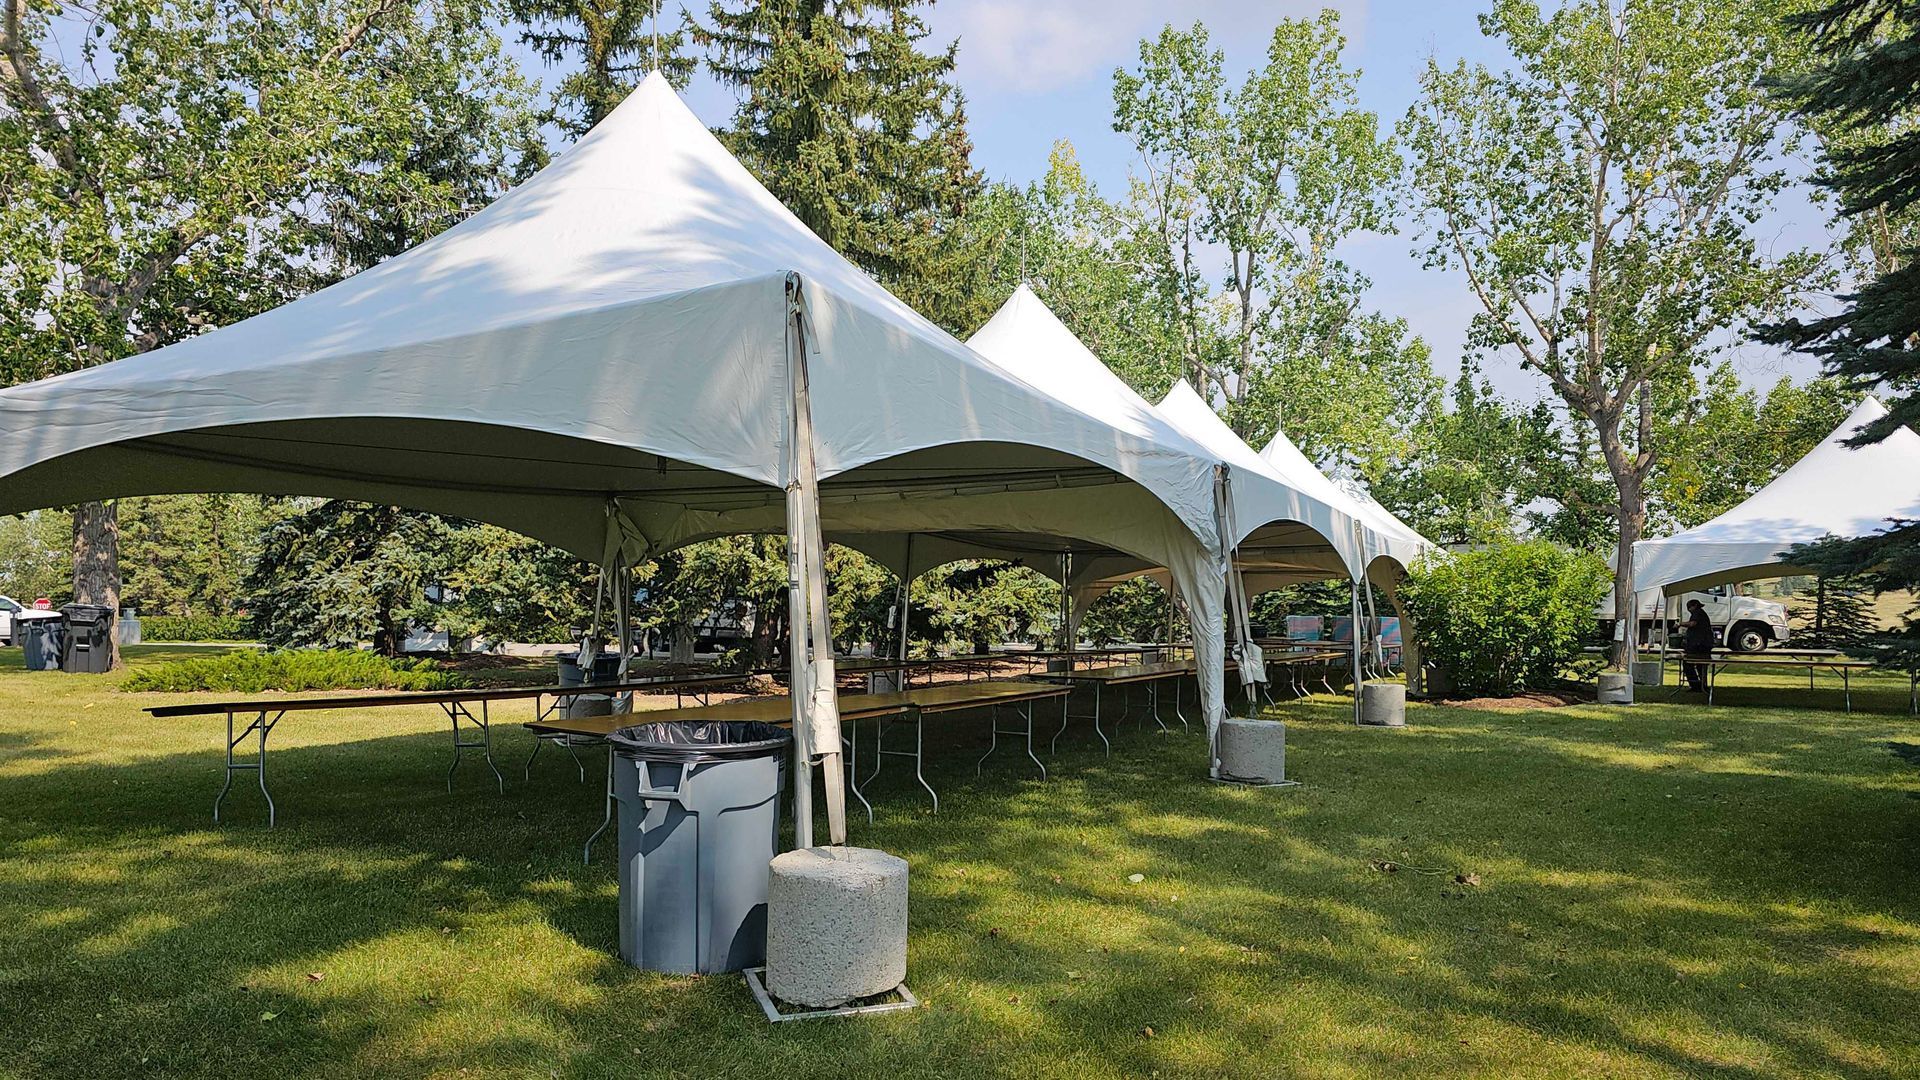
(812, 685)
(1356, 652)
(1374, 647)
(798, 677)
(1067, 635)
(1167, 640)
(623, 604)
(905, 610)
(589, 645)
(1666, 632)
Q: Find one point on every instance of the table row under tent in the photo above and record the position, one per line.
(1836, 490)
(1283, 525)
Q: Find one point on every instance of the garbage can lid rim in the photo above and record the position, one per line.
(701, 739)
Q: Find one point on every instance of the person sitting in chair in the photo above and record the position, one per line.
(1698, 644)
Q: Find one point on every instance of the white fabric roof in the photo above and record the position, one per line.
(616, 327)
(1263, 496)
(1027, 340)
(1836, 490)
(1388, 536)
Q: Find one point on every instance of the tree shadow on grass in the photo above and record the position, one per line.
(1672, 896)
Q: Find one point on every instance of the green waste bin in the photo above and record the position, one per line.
(699, 820)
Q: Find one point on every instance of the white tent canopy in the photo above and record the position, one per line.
(1836, 490)
(1265, 503)
(1386, 536)
(638, 347)
(1027, 340)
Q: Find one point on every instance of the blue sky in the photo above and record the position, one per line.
(1035, 71)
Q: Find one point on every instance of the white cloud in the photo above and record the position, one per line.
(1019, 48)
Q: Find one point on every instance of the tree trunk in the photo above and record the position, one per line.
(761, 654)
(1631, 514)
(96, 563)
(683, 640)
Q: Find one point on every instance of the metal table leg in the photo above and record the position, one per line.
(526, 771)
(260, 727)
(1054, 746)
(918, 753)
(852, 741)
(993, 719)
(456, 712)
(586, 853)
(1096, 721)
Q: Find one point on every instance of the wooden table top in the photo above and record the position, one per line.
(437, 697)
(1302, 643)
(1122, 674)
(1771, 650)
(1755, 660)
(779, 710)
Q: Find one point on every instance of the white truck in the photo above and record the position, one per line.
(1741, 622)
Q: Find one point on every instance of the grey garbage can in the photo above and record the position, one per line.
(699, 820)
(606, 669)
(42, 639)
(89, 644)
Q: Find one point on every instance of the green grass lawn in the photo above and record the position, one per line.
(1662, 890)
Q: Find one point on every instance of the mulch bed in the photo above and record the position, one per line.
(1532, 699)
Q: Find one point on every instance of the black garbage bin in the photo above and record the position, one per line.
(699, 807)
(606, 669)
(42, 638)
(89, 645)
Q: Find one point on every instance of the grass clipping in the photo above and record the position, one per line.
(250, 672)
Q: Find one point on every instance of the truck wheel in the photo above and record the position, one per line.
(1748, 638)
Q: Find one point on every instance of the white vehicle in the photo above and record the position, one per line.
(1742, 623)
(8, 605)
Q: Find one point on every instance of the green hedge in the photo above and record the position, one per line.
(195, 628)
(247, 671)
(1506, 618)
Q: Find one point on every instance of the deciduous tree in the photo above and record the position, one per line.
(172, 165)
(1599, 196)
(1273, 174)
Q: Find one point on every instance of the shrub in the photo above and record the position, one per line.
(1507, 618)
(248, 671)
(195, 628)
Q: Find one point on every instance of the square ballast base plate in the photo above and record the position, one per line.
(898, 999)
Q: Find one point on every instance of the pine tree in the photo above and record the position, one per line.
(1861, 98)
(860, 133)
(615, 42)
(1842, 616)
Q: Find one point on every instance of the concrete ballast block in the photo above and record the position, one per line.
(1615, 688)
(1649, 672)
(585, 705)
(836, 925)
(1383, 704)
(1253, 750)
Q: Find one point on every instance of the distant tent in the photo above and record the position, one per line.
(1836, 490)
